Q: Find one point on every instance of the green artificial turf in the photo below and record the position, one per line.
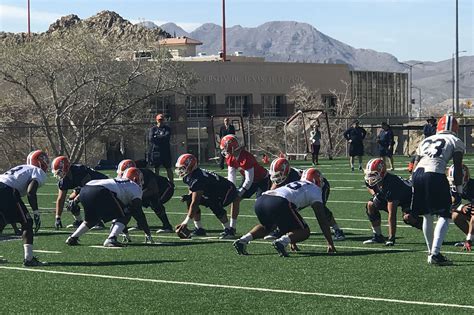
(178, 275)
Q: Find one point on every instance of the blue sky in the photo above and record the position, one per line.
(409, 29)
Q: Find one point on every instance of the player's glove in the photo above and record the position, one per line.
(241, 191)
(58, 224)
(149, 239)
(37, 221)
(331, 249)
(467, 246)
(294, 247)
(186, 198)
(183, 231)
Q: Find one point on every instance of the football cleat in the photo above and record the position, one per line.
(375, 239)
(228, 233)
(58, 224)
(459, 244)
(198, 232)
(273, 235)
(165, 230)
(112, 242)
(149, 239)
(74, 224)
(99, 226)
(241, 247)
(280, 248)
(339, 235)
(439, 260)
(72, 241)
(390, 242)
(33, 262)
(134, 228)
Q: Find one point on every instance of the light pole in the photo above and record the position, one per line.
(454, 77)
(411, 76)
(419, 98)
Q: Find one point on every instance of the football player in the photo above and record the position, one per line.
(207, 189)
(71, 176)
(462, 214)
(157, 190)
(279, 208)
(388, 192)
(112, 199)
(255, 177)
(281, 174)
(17, 182)
(431, 191)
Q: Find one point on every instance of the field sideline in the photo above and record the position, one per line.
(206, 275)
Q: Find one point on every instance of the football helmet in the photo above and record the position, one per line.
(39, 159)
(375, 171)
(447, 124)
(465, 175)
(312, 175)
(185, 165)
(123, 165)
(60, 166)
(134, 174)
(279, 170)
(229, 144)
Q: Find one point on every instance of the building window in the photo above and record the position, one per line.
(237, 104)
(329, 102)
(272, 105)
(197, 106)
(162, 104)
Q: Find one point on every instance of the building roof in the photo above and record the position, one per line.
(179, 41)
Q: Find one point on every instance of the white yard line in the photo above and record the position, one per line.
(46, 251)
(243, 288)
(102, 247)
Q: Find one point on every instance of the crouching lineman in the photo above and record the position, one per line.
(462, 213)
(17, 182)
(157, 190)
(279, 208)
(388, 192)
(207, 189)
(72, 177)
(431, 191)
(112, 199)
(281, 174)
(255, 177)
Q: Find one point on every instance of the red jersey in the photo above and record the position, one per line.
(246, 161)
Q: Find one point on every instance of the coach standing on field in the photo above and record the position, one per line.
(160, 150)
(355, 136)
(226, 129)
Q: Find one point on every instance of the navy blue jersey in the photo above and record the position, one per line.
(211, 184)
(162, 182)
(395, 188)
(78, 176)
(293, 176)
(325, 190)
(468, 191)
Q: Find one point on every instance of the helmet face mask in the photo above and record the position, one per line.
(60, 167)
(185, 165)
(375, 172)
(279, 170)
(229, 145)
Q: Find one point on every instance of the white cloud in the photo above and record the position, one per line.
(8, 12)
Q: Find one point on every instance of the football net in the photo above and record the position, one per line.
(298, 133)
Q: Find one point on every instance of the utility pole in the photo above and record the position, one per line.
(411, 78)
(457, 61)
(224, 52)
(29, 30)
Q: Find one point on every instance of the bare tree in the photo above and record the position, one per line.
(75, 85)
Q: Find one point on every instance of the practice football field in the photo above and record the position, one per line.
(205, 274)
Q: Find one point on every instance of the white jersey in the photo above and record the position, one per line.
(20, 177)
(437, 150)
(300, 193)
(124, 189)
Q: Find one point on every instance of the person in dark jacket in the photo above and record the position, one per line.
(160, 151)
(355, 136)
(430, 128)
(226, 129)
(385, 141)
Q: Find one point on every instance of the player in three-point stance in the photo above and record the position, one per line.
(112, 199)
(255, 177)
(431, 191)
(157, 190)
(281, 174)
(71, 176)
(279, 208)
(462, 214)
(17, 182)
(388, 193)
(207, 189)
